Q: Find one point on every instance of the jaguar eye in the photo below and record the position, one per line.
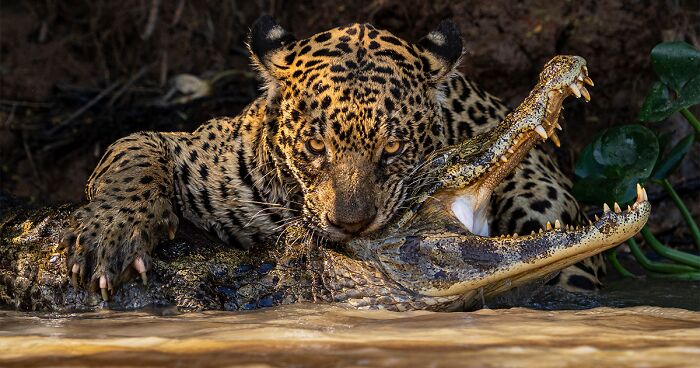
(316, 146)
(392, 148)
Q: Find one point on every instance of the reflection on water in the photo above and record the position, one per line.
(321, 335)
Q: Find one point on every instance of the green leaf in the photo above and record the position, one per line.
(678, 66)
(605, 190)
(664, 140)
(690, 94)
(616, 160)
(657, 105)
(668, 164)
(627, 149)
(675, 63)
(587, 166)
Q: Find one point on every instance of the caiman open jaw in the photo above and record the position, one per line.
(440, 264)
(478, 165)
(432, 257)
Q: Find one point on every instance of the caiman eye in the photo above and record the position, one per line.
(316, 146)
(392, 148)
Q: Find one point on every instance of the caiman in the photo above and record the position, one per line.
(425, 258)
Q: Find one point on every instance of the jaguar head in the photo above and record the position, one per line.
(357, 109)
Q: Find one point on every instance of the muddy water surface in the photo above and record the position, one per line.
(601, 330)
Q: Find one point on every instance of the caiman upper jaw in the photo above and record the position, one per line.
(471, 170)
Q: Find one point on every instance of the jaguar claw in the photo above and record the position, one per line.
(74, 275)
(103, 288)
(140, 267)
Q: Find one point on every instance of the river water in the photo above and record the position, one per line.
(649, 324)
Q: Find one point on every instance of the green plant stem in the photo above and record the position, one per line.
(686, 276)
(611, 254)
(694, 231)
(691, 119)
(670, 253)
(655, 266)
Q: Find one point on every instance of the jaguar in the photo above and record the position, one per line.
(345, 119)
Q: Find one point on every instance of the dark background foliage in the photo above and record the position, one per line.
(75, 75)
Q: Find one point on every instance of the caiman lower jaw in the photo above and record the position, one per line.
(443, 264)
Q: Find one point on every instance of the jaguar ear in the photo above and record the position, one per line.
(266, 43)
(443, 49)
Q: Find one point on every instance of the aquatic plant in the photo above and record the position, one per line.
(620, 157)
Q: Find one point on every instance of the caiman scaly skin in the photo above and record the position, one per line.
(424, 259)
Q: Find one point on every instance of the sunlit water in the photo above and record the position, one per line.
(604, 330)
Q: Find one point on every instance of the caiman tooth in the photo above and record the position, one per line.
(596, 218)
(617, 208)
(540, 130)
(510, 150)
(590, 223)
(559, 127)
(641, 194)
(606, 208)
(540, 231)
(585, 70)
(557, 224)
(588, 81)
(574, 89)
(504, 158)
(555, 139)
(515, 235)
(549, 226)
(586, 95)
(629, 209)
(532, 232)
(580, 77)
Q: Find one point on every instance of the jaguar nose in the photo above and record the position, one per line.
(354, 224)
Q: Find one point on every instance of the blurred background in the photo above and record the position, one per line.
(76, 75)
